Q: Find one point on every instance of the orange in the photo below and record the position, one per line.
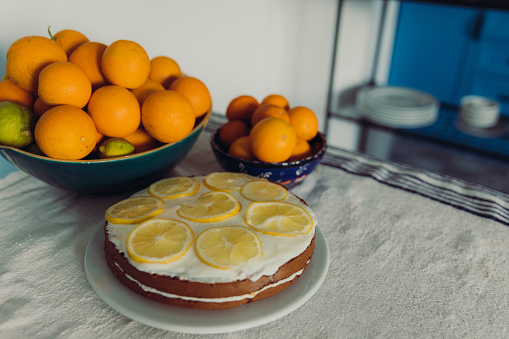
(64, 83)
(167, 116)
(276, 99)
(141, 140)
(27, 57)
(164, 70)
(65, 132)
(269, 110)
(304, 122)
(149, 87)
(9, 91)
(98, 141)
(69, 39)
(231, 131)
(302, 150)
(125, 63)
(40, 107)
(88, 56)
(242, 108)
(272, 140)
(115, 111)
(195, 91)
(241, 148)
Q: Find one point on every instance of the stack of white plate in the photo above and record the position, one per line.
(479, 112)
(398, 107)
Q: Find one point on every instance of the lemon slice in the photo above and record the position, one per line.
(263, 190)
(175, 187)
(227, 246)
(134, 210)
(226, 181)
(159, 241)
(278, 218)
(210, 207)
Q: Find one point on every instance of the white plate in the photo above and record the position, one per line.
(399, 98)
(155, 314)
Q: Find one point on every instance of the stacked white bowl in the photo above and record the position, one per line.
(479, 112)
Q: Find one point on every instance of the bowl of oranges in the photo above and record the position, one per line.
(95, 118)
(269, 139)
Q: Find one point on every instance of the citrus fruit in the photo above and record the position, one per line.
(125, 63)
(302, 150)
(65, 132)
(242, 108)
(40, 107)
(227, 247)
(210, 207)
(34, 149)
(16, 124)
(115, 147)
(69, 39)
(304, 122)
(167, 116)
(278, 218)
(241, 148)
(159, 241)
(175, 187)
(9, 91)
(226, 181)
(231, 131)
(64, 83)
(148, 87)
(263, 190)
(164, 70)
(268, 110)
(115, 111)
(277, 100)
(195, 91)
(134, 210)
(89, 56)
(27, 56)
(272, 140)
(141, 140)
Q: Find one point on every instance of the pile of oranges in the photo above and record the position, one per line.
(84, 92)
(270, 131)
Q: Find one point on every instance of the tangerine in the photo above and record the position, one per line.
(9, 91)
(69, 39)
(268, 110)
(88, 56)
(141, 140)
(276, 99)
(149, 87)
(164, 70)
(241, 148)
(272, 140)
(195, 91)
(40, 107)
(66, 132)
(125, 63)
(115, 111)
(304, 122)
(302, 150)
(231, 131)
(242, 108)
(167, 116)
(64, 83)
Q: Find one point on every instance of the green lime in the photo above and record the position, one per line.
(115, 147)
(16, 125)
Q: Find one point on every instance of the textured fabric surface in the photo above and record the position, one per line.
(404, 261)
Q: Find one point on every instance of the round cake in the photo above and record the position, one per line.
(210, 242)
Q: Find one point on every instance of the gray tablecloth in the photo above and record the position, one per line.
(412, 254)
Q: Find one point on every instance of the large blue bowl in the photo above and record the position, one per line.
(105, 176)
(284, 173)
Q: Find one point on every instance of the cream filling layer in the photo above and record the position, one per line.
(277, 250)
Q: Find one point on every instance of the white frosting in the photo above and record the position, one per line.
(277, 250)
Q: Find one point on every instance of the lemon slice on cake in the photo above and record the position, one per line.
(278, 218)
(226, 181)
(134, 210)
(175, 187)
(159, 241)
(227, 246)
(210, 207)
(263, 190)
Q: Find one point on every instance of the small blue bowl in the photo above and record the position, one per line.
(106, 176)
(284, 173)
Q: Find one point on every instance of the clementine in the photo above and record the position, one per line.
(242, 108)
(302, 150)
(195, 91)
(40, 107)
(164, 70)
(89, 56)
(241, 148)
(9, 91)
(141, 140)
(231, 131)
(149, 87)
(272, 140)
(276, 99)
(304, 122)
(69, 39)
(268, 110)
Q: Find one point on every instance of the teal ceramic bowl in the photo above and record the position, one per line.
(106, 176)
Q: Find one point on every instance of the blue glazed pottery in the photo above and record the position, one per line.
(285, 173)
(105, 176)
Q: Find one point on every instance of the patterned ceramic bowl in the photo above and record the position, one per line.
(285, 173)
(105, 176)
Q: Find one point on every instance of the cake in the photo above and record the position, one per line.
(209, 242)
